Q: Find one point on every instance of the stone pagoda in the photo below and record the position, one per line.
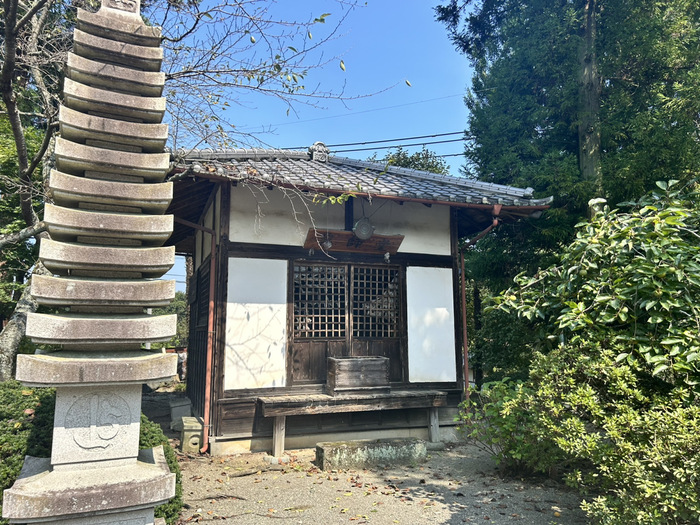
(107, 228)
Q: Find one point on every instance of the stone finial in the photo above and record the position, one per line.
(319, 152)
(130, 6)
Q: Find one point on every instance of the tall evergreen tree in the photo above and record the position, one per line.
(575, 98)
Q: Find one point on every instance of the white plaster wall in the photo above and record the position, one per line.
(425, 230)
(256, 324)
(273, 217)
(277, 217)
(431, 328)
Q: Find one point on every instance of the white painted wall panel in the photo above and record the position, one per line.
(274, 217)
(426, 230)
(431, 332)
(271, 217)
(256, 324)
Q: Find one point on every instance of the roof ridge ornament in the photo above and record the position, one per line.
(319, 151)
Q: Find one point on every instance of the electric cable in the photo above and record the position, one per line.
(434, 135)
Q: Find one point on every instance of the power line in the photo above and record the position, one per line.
(399, 146)
(383, 141)
(365, 111)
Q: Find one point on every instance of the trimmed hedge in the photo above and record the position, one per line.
(26, 428)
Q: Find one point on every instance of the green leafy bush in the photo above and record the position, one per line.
(152, 436)
(26, 428)
(614, 384)
(491, 418)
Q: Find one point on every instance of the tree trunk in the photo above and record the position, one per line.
(14, 331)
(589, 100)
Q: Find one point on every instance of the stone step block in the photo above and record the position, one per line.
(75, 159)
(117, 78)
(361, 454)
(113, 51)
(99, 101)
(41, 492)
(82, 192)
(119, 25)
(77, 126)
(64, 367)
(64, 258)
(92, 330)
(67, 224)
(65, 291)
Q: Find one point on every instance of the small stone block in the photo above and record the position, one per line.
(272, 460)
(179, 408)
(191, 435)
(370, 453)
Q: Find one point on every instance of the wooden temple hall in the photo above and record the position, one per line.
(318, 316)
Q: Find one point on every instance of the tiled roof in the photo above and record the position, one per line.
(339, 174)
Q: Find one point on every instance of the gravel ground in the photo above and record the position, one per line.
(460, 484)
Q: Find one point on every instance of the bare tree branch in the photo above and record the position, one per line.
(22, 235)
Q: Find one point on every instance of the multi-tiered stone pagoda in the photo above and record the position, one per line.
(107, 229)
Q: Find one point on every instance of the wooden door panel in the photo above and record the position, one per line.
(390, 348)
(309, 360)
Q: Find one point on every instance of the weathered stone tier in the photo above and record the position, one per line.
(82, 329)
(113, 51)
(64, 258)
(82, 368)
(107, 225)
(81, 192)
(79, 127)
(66, 224)
(118, 78)
(119, 25)
(66, 291)
(75, 159)
(97, 101)
(40, 492)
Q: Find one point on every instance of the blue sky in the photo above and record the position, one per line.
(382, 44)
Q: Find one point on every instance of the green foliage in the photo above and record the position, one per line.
(630, 279)
(424, 160)
(16, 259)
(614, 382)
(152, 436)
(491, 418)
(636, 441)
(179, 307)
(26, 428)
(524, 113)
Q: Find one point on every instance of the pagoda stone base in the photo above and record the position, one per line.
(120, 495)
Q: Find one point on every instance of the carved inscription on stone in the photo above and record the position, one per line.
(94, 420)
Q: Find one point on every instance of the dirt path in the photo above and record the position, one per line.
(458, 485)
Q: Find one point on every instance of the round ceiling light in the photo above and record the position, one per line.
(363, 229)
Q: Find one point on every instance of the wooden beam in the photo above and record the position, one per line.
(346, 241)
(278, 436)
(434, 427)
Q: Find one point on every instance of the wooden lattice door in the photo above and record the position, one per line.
(344, 310)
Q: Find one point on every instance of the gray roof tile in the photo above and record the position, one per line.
(340, 174)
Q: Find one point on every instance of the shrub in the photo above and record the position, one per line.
(615, 382)
(26, 428)
(491, 418)
(152, 436)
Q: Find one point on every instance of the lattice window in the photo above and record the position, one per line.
(319, 301)
(376, 302)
